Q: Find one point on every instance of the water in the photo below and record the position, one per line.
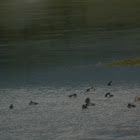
(51, 49)
(59, 117)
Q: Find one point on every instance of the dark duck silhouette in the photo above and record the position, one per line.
(87, 100)
(88, 103)
(11, 106)
(33, 103)
(73, 95)
(91, 89)
(108, 95)
(84, 106)
(131, 105)
(110, 83)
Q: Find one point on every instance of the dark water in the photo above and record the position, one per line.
(51, 49)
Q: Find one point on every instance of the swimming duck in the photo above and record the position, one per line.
(84, 106)
(91, 89)
(131, 105)
(73, 95)
(11, 106)
(110, 83)
(88, 103)
(33, 103)
(136, 99)
(87, 100)
(108, 95)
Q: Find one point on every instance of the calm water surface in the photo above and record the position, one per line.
(51, 49)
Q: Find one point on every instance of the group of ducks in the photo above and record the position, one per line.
(31, 103)
(107, 95)
(87, 101)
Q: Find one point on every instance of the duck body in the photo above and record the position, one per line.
(90, 104)
(131, 105)
(11, 106)
(33, 103)
(136, 99)
(110, 83)
(73, 95)
(84, 106)
(87, 100)
(90, 89)
(108, 95)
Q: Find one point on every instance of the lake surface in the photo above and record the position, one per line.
(52, 49)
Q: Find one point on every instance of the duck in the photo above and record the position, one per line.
(91, 89)
(131, 105)
(33, 103)
(136, 99)
(108, 95)
(11, 106)
(88, 103)
(84, 106)
(110, 83)
(87, 100)
(73, 95)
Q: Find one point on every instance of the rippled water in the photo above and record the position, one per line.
(51, 49)
(59, 117)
